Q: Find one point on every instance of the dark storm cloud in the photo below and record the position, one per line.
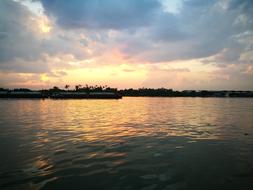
(105, 14)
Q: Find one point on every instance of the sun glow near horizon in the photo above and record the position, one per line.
(54, 47)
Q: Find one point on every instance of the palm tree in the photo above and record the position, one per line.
(67, 86)
(78, 87)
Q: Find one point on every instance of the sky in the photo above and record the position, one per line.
(178, 44)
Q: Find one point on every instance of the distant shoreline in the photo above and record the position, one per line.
(113, 93)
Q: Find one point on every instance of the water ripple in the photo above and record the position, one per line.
(133, 143)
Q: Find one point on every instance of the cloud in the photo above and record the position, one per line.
(101, 14)
(87, 34)
(145, 32)
(15, 33)
(25, 40)
(129, 70)
(201, 29)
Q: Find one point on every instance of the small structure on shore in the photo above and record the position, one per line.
(85, 95)
(60, 95)
(79, 92)
(22, 94)
(105, 92)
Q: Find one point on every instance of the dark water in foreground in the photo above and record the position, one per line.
(133, 143)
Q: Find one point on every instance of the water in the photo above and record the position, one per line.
(133, 143)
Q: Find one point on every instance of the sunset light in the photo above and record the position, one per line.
(126, 94)
(152, 43)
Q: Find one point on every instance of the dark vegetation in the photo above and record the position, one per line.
(162, 92)
(148, 92)
(78, 92)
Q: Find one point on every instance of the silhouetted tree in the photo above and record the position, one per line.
(67, 86)
(77, 87)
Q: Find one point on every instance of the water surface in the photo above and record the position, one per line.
(133, 143)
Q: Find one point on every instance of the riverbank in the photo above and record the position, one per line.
(113, 93)
(60, 95)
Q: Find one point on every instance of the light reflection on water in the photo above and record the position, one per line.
(133, 143)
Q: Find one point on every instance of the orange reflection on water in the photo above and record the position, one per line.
(153, 139)
(117, 120)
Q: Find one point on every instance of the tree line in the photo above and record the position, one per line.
(151, 92)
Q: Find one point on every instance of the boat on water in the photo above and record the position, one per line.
(21, 94)
(60, 95)
(85, 95)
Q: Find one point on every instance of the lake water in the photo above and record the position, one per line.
(133, 143)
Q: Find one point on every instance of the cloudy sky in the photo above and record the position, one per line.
(179, 44)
